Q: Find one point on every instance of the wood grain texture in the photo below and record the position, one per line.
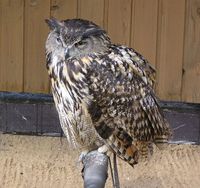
(64, 9)
(92, 10)
(35, 73)
(166, 32)
(170, 48)
(144, 28)
(119, 21)
(11, 45)
(191, 66)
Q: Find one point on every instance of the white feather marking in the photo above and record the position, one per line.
(54, 60)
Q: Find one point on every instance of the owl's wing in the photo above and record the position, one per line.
(121, 85)
(139, 65)
(124, 107)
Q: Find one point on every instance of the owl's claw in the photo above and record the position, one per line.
(82, 156)
(103, 149)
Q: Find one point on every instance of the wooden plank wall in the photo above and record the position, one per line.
(166, 32)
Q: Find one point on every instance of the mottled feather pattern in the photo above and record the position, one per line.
(124, 93)
(104, 93)
(72, 109)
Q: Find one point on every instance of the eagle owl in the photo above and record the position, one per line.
(103, 92)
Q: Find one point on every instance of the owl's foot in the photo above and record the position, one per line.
(103, 149)
(82, 155)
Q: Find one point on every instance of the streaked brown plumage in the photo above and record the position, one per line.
(103, 92)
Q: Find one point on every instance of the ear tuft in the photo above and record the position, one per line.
(53, 23)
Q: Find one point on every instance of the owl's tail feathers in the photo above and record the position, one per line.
(161, 141)
(132, 155)
(128, 153)
(145, 150)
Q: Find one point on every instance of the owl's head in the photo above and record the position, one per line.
(75, 38)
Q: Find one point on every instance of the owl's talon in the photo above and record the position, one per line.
(82, 156)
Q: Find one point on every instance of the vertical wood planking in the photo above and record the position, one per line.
(64, 9)
(144, 28)
(119, 21)
(35, 74)
(11, 45)
(146, 25)
(92, 10)
(170, 48)
(191, 66)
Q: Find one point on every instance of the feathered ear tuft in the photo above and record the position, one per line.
(93, 32)
(53, 23)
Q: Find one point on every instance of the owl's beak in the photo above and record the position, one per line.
(66, 53)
